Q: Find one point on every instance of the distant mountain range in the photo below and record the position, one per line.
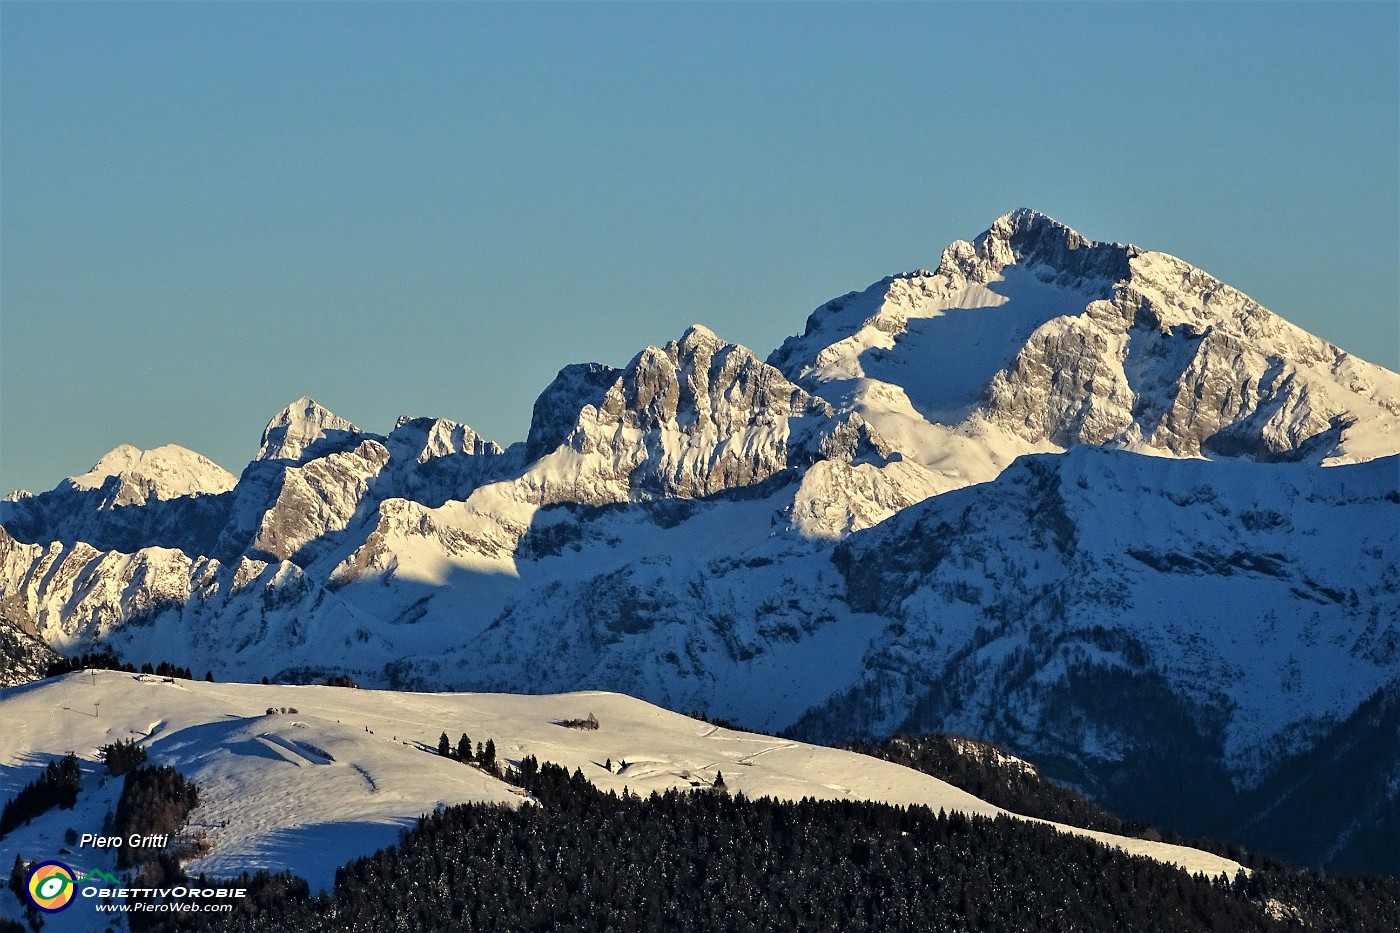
(1077, 498)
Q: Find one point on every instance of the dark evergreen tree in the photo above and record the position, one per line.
(464, 748)
(166, 669)
(986, 771)
(19, 875)
(445, 746)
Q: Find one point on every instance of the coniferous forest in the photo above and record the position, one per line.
(153, 801)
(701, 861)
(985, 771)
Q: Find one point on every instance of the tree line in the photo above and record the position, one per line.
(107, 660)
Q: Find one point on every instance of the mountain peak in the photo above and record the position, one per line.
(170, 471)
(1027, 217)
(1024, 228)
(697, 334)
(424, 439)
(1028, 237)
(296, 427)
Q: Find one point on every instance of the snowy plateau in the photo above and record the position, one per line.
(1079, 499)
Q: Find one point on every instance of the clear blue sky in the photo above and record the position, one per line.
(209, 210)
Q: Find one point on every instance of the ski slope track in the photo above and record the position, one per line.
(1053, 493)
(346, 772)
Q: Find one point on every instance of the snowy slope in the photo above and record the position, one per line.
(342, 775)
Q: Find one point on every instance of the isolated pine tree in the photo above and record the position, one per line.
(445, 746)
(18, 876)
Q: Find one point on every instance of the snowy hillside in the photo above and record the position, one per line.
(993, 497)
(342, 771)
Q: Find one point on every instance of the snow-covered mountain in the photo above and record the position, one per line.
(1002, 497)
(161, 473)
(1033, 338)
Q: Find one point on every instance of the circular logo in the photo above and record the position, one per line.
(51, 886)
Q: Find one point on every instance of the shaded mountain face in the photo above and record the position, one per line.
(931, 511)
(1335, 803)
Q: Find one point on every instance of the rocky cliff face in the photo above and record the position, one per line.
(1179, 362)
(419, 440)
(317, 499)
(693, 418)
(23, 654)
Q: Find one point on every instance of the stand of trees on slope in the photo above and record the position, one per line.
(56, 787)
(153, 801)
(587, 860)
(106, 660)
(985, 771)
(121, 757)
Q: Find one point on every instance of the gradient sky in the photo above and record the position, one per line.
(208, 210)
